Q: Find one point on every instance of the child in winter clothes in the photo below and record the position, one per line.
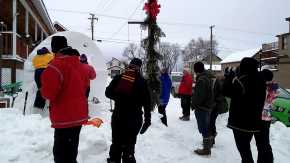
(165, 94)
(91, 72)
(271, 94)
(40, 62)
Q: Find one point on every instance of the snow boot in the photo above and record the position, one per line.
(206, 151)
(128, 159)
(213, 139)
(184, 118)
(164, 120)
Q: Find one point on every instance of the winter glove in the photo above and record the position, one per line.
(145, 127)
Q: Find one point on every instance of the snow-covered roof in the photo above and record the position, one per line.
(238, 56)
(214, 67)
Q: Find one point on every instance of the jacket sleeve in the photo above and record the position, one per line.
(200, 92)
(92, 73)
(51, 80)
(146, 102)
(110, 90)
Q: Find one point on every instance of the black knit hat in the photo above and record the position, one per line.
(198, 67)
(136, 62)
(267, 74)
(43, 50)
(58, 43)
(248, 66)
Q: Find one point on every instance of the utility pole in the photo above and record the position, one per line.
(211, 46)
(92, 18)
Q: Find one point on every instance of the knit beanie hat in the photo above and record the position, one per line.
(136, 62)
(83, 58)
(58, 43)
(198, 67)
(41, 51)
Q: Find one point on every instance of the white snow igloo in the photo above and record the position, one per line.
(84, 45)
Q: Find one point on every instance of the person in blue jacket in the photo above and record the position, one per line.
(165, 94)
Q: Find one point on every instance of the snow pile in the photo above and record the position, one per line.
(29, 139)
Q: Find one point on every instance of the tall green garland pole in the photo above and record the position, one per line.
(152, 56)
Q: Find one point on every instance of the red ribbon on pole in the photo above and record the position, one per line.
(152, 8)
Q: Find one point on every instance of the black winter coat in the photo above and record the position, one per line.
(128, 108)
(247, 93)
(203, 97)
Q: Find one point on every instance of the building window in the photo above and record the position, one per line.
(284, 43)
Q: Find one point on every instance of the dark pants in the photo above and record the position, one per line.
(185, 104)
(124, 137)
(212, 121)
(243, 140)
(161, 109)
(66, 142)
(203, 118)
(88, 92)
(39, 101)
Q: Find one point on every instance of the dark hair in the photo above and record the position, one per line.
(58, 43)
(267, 74)
(198, 67)
(42, 51)
(136, 62)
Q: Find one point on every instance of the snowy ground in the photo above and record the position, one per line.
(29, 139)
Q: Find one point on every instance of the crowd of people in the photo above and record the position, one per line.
(63, 78)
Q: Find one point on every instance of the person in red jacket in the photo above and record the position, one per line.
(90, 70)
(64, 84)
(185, 92)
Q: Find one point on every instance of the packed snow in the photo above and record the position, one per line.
(29, 139)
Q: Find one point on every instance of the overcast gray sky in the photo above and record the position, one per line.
(240, 24)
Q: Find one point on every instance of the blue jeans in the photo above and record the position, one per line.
(203, 120)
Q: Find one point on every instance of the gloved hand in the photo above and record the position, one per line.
(145, 127)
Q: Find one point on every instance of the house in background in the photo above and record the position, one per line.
(283, 74)
(23, 25)
(216, 63)
(115, 67)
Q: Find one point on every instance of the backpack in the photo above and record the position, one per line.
(221, 103)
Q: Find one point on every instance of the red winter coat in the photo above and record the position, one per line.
(185, 87)
(90, 72)
(64, 84)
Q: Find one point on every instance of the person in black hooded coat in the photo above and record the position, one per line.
(130, 93)
(247, 92)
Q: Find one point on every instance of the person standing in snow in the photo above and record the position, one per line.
(91, 72)
(247, 91)
(40, 61)
(64, 83)
(263, 136)
(130, 93)
(165, 94)
(203, 104)
(185, 92)
(220, 107)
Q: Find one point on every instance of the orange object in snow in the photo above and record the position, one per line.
(97, 122)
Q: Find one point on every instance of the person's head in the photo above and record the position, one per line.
(42, 51)
(248, 66)
(198, 67)
(83, 59)
(135, 63)
(268, 75)
(164, 70)
(58, 43)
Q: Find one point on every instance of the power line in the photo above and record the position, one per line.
(122, 26)
(85, 12)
